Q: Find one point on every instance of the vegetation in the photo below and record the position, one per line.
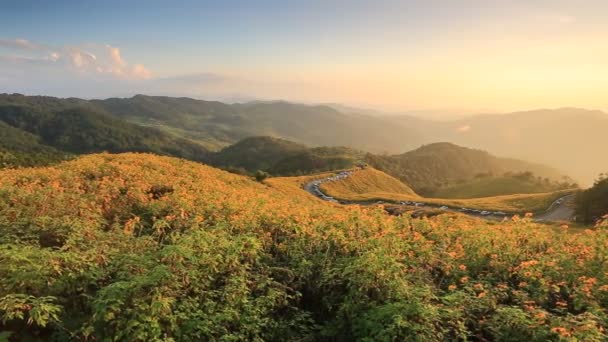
(507, 184)
(374, 185)
(592, 204)
(20, 148)
(282, 157)
(139, 247)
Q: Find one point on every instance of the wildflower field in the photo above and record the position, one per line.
(137, 247)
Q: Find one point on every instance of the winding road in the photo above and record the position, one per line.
(561, 209)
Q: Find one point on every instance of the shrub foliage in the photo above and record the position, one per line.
(145, 248)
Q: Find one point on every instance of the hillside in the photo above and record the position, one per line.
(440, 165)
(282, 157)
(20, 148)
(80, 130)
(256, 153)
(142, 247)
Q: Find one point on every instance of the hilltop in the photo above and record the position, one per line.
(125, 246)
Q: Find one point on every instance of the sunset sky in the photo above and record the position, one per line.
(466, 55)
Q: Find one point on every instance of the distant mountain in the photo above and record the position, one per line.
(571, 139)
(440, 165)
(217, 125)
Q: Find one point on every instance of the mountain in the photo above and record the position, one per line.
(83, 129)
(282, 157)
(218, 125)
(569, 139)
(439, 165)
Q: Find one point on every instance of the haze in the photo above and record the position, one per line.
(451, 56)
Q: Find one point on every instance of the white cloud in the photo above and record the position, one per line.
(94, 60)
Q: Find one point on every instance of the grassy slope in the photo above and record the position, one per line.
(368, 182)
(371, 185)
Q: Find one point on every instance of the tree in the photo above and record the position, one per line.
(261, 175)
(592, 204)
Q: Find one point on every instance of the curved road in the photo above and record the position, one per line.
(561, 209)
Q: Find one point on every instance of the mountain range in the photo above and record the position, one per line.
(567, 139)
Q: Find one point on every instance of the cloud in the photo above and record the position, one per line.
(93, 60)
(464, 128)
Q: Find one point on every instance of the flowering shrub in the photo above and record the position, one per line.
(139, 247)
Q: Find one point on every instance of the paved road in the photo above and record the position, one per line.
(561, 209)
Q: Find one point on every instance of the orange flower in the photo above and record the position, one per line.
(452, 287)
(462, 267)
(561, 331)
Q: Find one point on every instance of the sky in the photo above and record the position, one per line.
(428, 55)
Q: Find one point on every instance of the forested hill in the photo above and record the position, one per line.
(82, 129)
(440, 165)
